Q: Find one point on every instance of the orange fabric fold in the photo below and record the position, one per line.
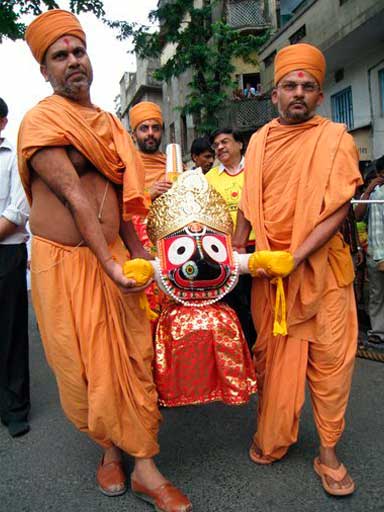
(296, 176)
(99, 346)
(320, 162)
(98, 135)
(154, 165)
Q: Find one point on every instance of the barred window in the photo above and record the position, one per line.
(342, 108)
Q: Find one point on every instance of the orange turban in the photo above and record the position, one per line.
(300, 56)
(48, 28)
(142, 112)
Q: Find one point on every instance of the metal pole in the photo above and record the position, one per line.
(370, 201)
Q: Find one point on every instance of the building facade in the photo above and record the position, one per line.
(245, 115)
(350, 33)
(139, 86)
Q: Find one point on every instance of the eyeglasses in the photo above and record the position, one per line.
(306, 86)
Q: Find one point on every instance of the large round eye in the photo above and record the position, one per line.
(180, 250)
(215, 248)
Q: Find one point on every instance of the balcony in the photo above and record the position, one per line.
(247, 15)
(248, 114)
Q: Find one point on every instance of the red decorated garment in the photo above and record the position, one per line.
(202, 356)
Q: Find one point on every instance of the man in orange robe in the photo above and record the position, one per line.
(146, 121)
(76, 162)
(301, 171)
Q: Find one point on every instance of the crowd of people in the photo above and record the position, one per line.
(89, 185)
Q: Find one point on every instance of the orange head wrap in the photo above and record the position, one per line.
(142, 112)
(300, 56)
(48, 28)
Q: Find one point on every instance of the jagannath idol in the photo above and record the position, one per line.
(201, 354)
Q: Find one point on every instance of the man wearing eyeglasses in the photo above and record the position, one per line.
(228, 179)
(301, 170)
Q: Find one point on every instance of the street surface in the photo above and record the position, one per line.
(204, 451)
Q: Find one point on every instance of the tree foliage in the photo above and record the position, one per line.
(11, 12)
(206, 49)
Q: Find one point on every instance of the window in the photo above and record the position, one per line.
(381, 90)
(342, 109)
(269, 59)
(298, 35)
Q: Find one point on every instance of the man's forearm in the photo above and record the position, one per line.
(321, 234)
(243, 228)
(7, 228)
(131, 240)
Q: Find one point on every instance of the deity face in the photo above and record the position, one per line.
(197, 263)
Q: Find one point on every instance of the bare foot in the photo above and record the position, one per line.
(256, 455)
(328, 458)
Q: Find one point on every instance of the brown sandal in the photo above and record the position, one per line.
(336, 474)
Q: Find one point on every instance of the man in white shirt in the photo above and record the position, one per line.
(14, 361)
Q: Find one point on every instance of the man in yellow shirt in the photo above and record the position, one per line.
(228, 179)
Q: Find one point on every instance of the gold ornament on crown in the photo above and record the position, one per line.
(191, 199)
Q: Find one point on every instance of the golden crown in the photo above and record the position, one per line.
(191, 199)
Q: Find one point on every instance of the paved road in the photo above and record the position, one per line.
(204, 450)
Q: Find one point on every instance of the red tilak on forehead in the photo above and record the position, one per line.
(66, 41)
(300, 74)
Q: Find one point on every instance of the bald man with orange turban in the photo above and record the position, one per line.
(85, 181)
(301, 171)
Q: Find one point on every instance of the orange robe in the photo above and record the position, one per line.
(98, 343)
(98, 135)
(296, 177)
(96, 340)
(154, 165)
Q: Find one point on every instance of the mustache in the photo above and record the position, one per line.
(76, 72)
(298, 102)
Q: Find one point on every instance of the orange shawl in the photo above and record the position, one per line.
(154, 165)
(296, 177)
(98, 135)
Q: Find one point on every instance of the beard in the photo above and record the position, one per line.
(73, 89)
(297, 117)
(149, 145)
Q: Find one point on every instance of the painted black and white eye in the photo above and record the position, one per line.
(181, 250)
(215, 248)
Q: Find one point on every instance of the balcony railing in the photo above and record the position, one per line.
(247, 14)
(248, 114)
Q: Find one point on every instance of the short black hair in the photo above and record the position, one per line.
(201, 144)
(236, 135)
(3, 108)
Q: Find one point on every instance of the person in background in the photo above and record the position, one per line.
(146, 122)
(374, 214)
(228, 179)
(249, 91)
(202, 154)
(14, 358)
